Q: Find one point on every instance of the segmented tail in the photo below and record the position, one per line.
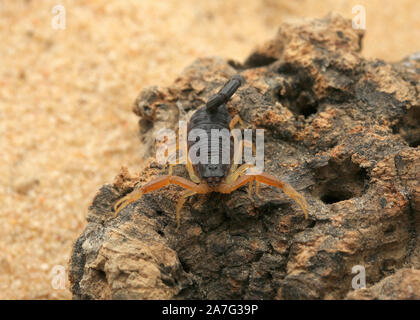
(225, 93)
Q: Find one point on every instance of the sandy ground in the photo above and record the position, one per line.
(66, 125)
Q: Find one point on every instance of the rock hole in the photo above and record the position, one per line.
(296, 92)
(415, 143)
(337, 182)
(389, 230)
(330, 198)
(409, 127)
(185, 266)
(388, 266)
(312, 224)
(101, 275)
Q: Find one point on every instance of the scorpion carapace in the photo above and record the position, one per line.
(213, 176)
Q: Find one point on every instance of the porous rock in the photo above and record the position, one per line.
(344, 131)
(403, 285)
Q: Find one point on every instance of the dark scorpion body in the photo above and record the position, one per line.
(215, 116)
(207, 176)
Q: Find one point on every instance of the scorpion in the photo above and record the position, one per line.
(209, 177)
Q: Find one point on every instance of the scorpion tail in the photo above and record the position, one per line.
(225, 93)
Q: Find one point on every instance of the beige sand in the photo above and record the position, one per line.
(66, 96)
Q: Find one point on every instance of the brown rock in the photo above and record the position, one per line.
(342, 130)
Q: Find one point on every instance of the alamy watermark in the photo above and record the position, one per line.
(58, 274)
(359, 20)
(359, 280)
(59, 19)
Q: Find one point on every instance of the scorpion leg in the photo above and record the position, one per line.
(257, 188)
(189, 166)
(191, 171)
(270, 180)
(171, 168)
(238, 155)
(234, 121)
(180, 204)
(242, 143)
(171, 150)
(155, 184)
(233, 176)
(232, 125)
(250, 190)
